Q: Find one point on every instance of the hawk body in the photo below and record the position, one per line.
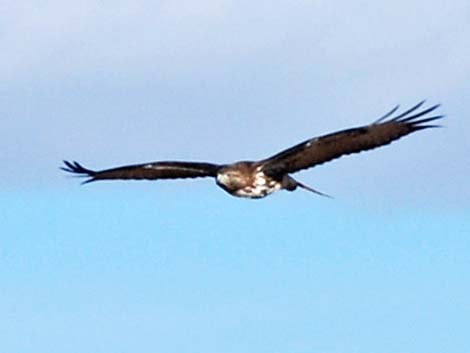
(246, 179)
(257, 179)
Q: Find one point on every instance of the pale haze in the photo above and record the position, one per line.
(180, 266)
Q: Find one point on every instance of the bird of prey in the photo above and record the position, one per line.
(257, 179)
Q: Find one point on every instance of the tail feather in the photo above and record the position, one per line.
(308, 188)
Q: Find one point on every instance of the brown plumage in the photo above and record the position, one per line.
(149, 171)
(256, 179)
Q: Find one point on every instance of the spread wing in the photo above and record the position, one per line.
(154, 170)
(326, 148)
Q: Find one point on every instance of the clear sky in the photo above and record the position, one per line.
(180, 266)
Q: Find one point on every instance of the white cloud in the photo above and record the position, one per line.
(55, 39)
(62, 37)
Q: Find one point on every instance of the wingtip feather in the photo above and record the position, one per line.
(410, 110)
(76, 168)
(90, 180)
(411, 116)
(385, 116)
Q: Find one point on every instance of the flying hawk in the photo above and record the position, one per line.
(257, 179)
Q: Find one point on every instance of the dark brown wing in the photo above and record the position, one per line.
(326, 148)
(154, 170)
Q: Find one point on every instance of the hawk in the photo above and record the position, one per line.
(257, 179)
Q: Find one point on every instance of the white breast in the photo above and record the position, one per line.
(261, 187)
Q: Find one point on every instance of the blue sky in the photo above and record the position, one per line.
(180, 266)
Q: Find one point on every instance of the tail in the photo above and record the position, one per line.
(308, 188)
